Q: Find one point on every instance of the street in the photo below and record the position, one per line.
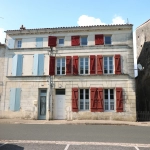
(70, 137)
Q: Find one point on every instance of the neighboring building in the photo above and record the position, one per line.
(143, 78)
(142, 36)
(2, 57)
(88, 74)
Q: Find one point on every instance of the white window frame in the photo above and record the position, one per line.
(109, 100)
(81, 40)
(110, 38)
(84, 100)
(60, 65)
(84, 65)
(108, 66)
(18, 40)
(58, 41)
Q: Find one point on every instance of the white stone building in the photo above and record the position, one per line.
(88, 74)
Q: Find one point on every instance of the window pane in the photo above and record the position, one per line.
(81, 105)
(107, 39)
(106, 105)
(111, 91)
(83, 40)
(58, 71)
(86, 105)
(111, 105)
(61, 41)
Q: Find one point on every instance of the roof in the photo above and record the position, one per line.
(143, 24)
(77, 27)
(2, 44)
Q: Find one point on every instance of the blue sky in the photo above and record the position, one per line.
(56, 13)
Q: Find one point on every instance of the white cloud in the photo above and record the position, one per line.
(118, 20)
(85, 20)
(2, 35)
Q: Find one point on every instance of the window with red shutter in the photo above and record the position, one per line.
(117, 64)
(52, 65)
(52, 41)
(68, 65)
(100, 100)
(92, 64)
(93, 99)
(75, 99)
(119, 100)
(75, 40)
(75, 65)
(99, 39)
(99, 64)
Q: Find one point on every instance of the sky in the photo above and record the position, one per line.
(58, 13)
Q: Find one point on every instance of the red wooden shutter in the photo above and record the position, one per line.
(92, 64)
(75, 65)
(52, 40)
(93, 99)
(68, 65)
(52, 66)
(75, 40)
(119, 100)
(99, 39)
(117, 64)
(75, 99)
(99, 64)
(100, 100)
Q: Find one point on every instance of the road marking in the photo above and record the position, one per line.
(66, 148)
(77, 143)
(136, 148)
(3, 144)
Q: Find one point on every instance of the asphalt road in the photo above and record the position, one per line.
(73, 133)
(81, 133)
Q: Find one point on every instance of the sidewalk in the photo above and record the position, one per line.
(74, 122)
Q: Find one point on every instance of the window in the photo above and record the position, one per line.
(39, 42)
(60, 66)
(107, 39)
(108, 65)
(109, 99)
(19, 43)
(83, 41)
(84, 65)
(61, 41)
(84, 99)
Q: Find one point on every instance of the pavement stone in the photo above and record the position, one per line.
(86, 122)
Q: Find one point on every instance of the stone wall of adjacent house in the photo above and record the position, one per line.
(143, 80)
(142, 36)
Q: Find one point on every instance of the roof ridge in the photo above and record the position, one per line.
(76, 27)
(143, 23)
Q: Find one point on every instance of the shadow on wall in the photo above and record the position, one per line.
(10, 147)
(143, 80)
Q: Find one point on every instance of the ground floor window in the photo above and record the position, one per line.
(109, 99)
(84, 99)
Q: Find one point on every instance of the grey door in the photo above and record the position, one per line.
(42, 104)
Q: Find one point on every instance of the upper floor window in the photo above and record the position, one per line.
(39, 42)
(19, 43)
(60, 68)
(84, 65)
(109, 99)
(101, 39)
(108, 65)
(61, 41)
(78, 40)
(107, 39)
(83, 41)
(84, 99)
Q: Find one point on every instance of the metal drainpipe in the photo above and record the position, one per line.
(50, 91)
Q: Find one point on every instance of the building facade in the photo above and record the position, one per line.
(70, 73)
(143, 78)
(2, 58)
